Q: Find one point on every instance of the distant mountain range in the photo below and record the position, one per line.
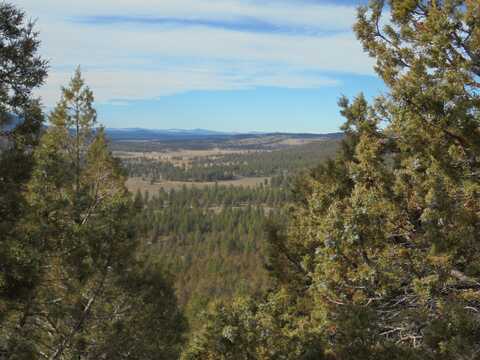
(152, 134)
(180, 134)
(141, 134)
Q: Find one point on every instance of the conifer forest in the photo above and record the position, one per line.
(362, 244)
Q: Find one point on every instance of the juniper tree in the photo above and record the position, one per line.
(382, 251)
(21, 71)
(91, 291)
(246, 329)
(395, 269)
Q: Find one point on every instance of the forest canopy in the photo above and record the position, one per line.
(372, 254)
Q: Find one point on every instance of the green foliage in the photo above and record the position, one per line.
(381, 254)
(147, 324)
(260, 163)
(380, 258)
(22, 68)
(212, 239)
(22, 71)
(248, 329)
(89, 291)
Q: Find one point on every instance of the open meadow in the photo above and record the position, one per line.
(135, 184)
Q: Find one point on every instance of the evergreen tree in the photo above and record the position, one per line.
(90, 286)
(21, 71)
(396, 257)
(249, 329)
(382, 252)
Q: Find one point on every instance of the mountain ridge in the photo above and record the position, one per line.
(168, 134)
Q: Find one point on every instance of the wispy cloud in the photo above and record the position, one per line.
(244, 24)
(291, 12)
(143, 49)
(119, 87)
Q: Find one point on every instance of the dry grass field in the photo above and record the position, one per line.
(182, 157)
(276, 141)
(215, 155)
(135, 184)
(184, 154)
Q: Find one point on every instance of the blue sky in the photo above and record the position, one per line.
(230, 65)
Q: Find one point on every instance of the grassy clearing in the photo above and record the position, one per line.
(135, 184)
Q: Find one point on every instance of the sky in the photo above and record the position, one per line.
(227, 65)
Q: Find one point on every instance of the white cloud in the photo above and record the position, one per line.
(119, 87)
(292, 12)
(125, 62)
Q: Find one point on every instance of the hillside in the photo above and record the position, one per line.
(204, 210)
